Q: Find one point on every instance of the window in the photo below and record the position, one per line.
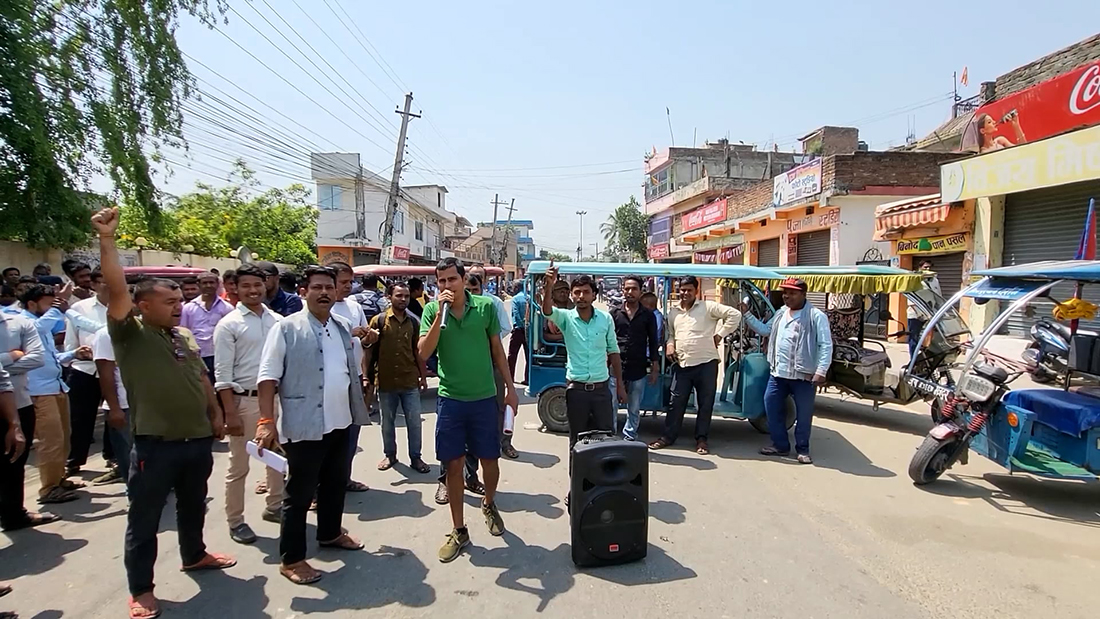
(398, 222)
(659, 184)
(418, 230)
(330, 197)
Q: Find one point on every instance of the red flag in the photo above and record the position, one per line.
(964, 79)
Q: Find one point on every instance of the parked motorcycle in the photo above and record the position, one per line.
(1048, 353)
(964, 413)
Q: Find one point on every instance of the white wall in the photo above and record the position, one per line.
(857, 227)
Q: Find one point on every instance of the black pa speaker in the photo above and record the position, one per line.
(609, 500)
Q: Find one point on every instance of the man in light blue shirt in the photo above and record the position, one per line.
(800, 350)
(519, 334)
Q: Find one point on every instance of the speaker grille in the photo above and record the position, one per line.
(612, 524)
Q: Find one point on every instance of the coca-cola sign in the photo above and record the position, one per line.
(705, 215)
(1062, 103)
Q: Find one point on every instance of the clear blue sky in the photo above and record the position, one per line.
(511, 85)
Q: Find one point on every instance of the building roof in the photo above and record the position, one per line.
(950, 129)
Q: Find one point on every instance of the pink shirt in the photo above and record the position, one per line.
(201, 321)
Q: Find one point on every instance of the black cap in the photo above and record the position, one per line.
(268, 267)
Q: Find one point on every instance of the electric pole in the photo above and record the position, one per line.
(360, 209)
(507, 229)
(395, 188)
(493, 238)
(580, 242)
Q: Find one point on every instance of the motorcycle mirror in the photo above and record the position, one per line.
(884, 315)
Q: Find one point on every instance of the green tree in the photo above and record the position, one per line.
(278, 224)
(626, 229)
(87, 87)
(556, 257)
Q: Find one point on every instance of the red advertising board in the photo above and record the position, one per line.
(1068, 101)
(400, 253)
(734, 254)
(706, 257)
(658, 251)
(705, 215)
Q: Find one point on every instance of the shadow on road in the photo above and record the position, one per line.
(543, 505)
(368, 580)
(664, 457)
(886, 417)
(829, 448)
(539, 460)
(668, 512)
(1069, 501)
(35, 551)
(222, 595)
(378, 504)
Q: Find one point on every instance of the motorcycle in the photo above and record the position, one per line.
(1047, 356)
(964, 414)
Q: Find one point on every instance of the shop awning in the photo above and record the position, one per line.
(911, 212)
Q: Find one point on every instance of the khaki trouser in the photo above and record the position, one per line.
(249, 410)
(51, 429)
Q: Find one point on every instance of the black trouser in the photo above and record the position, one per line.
(84, 399)
(703, 378)
(158, 467)
(518, 340)
(316, 468)
(12, 513)
(588, 406)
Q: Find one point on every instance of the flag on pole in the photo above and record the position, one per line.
(1086, 249)
(964, 79)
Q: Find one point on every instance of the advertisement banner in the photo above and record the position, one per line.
(1069, 158)
(797, 184)
(705, 257)
(734, 254)
(328, 255)
(704, 215)
(660, 230)
(943, 244)
(656, 252)
(823, 219)
(1068, 101)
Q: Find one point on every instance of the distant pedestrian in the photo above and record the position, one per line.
(116, 407)
(174, 418)
(11, 276)
(238, 343)
(308, 357)
(914, 317)
(281, 302)
(189, 287)
(229, 287)
(518, 340)
(800, 350)
(202, 314)
(416, 297)
(42, 269)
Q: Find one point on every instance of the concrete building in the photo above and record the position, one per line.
(421, 221)
(520, 235)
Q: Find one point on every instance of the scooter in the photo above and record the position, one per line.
(1048, 354)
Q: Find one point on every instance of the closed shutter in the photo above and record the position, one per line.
(948, 269)
(813, 250)
(1046, 224)
(767, 253)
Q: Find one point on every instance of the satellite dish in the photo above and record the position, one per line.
(244, 254)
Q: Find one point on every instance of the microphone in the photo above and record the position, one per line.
(446, 309)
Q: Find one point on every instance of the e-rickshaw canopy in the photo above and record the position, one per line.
(398, 270)
(1050, 270)
(641, 269)
(862, 279)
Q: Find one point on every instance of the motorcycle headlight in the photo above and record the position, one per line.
(976, 388)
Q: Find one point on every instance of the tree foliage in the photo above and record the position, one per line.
(87, 87)
(278, 224)
(556, 257)
(626, 229)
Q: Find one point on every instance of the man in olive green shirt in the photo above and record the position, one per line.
(466, 332)
(174, 416)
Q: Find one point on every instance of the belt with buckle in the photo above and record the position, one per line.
(576, 384)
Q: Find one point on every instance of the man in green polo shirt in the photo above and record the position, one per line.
(465, 331)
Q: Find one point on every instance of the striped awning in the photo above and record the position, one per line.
(911, 212)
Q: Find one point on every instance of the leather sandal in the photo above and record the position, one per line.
(300, 573)
(660, 443)
(344, 542)
(139, 610)
(211, 561)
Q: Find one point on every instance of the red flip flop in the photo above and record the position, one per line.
(211, 562)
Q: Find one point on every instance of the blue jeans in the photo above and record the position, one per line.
(775, 405)
(121, 441)
(409, 401)
(914, 326)
(635, 389)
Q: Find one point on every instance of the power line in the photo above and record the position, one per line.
(385, 69)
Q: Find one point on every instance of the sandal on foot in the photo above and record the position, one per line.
(69, 484)
(33, 519)
(5, 589)
(660, 443)
(344, 542)
(357, 486)
(772, 451)
(805, 459)
(211, 562)
(509, 452)
(57, 494)
(475, 486)
(141, 611)
(386, 463)
(300, 573)
(261, 487)
(701, 448)
(420, 466)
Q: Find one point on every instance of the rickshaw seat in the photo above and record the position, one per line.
(1066, 411)
(845, 324)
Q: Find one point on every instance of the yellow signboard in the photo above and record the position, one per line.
(938, 244)
(1068, 158)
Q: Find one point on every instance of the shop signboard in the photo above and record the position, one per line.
(940, 244)
(797, 184)
(704, 215)
(705, 257)
(824, 219)
(1068, 101)
(659, 230)
(656, 252)
(329, 254)
(1069, 158)
(734, 254)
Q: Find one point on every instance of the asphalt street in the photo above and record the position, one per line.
(732, 534)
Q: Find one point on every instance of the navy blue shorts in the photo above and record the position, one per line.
(462, 427)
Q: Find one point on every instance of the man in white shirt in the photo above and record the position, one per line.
(349, 308)
(116, 408)
(238, 342)
(695, 328)
(84, 392)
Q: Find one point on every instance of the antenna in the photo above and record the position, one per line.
(668, 114)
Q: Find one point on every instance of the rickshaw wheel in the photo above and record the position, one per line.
(552, 410)
(761, 422)
(930, 461)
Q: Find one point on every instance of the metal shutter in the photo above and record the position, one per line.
(948, 268)
(767, 253)
(813, 250)
(1046, 224)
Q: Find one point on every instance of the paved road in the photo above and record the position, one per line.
(731, 535)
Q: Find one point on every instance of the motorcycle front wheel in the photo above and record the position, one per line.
(932, 459)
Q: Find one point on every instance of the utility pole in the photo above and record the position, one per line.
(580, 242)
(395, 187)
(597, 254)
(360, 209)
(507, 228)
(493, 239)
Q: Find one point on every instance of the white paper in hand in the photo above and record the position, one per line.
(269, 458)
(509, 420)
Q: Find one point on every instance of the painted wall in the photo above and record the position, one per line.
(857, 227)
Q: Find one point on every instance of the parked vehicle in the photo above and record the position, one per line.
(741, 395)
(1049, 432)
(1048, 353)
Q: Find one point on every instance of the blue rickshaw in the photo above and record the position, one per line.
(741, 395)
(1048, 432)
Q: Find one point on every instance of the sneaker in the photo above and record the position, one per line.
(441, 494)
(242, 534)
(456, 541)
(493, 519)
(112, 476)
(273, 515)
